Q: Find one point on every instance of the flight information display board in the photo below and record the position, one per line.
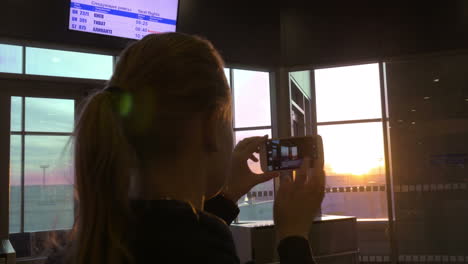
(122, 18)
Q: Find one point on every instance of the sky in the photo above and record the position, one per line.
(42, 115)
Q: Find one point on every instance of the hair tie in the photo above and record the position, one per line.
(122, 101)
(113, 89)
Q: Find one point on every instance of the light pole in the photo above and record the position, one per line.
(43, 167)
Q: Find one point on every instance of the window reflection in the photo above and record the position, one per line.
(429, 153)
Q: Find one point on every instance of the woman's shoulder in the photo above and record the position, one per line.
(175, 217)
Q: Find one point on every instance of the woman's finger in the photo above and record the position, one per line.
(261, 178)
(316, 182)
(301, 173)
(285, 184)
(253, 158)
(320, 154)
(243, 144)
(254, 144)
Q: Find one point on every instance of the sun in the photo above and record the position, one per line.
(355, 149)
(350, 166)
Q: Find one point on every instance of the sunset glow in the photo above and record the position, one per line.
(350, 93)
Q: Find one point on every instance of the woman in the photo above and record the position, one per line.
(156, 177)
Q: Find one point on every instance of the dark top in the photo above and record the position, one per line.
(171, 231)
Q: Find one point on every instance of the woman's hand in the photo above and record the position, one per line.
(242, 178)
(297, 202)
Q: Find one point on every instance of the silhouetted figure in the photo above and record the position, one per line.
(156, 176)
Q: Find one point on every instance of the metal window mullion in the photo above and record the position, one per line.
(313, 103)
(231, 83)
(23, 67)
(388, 176)
(47, 133)
(23, 122)
(350, 121)
(251, 128)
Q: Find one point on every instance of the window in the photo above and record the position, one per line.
(62, 63)
(252, 117)
(11, 59)
(251, 99)
(348, 93)
(350, 122)
(41, 171)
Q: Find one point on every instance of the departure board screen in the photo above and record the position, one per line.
(123, 18)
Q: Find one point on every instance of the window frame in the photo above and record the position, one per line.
(22, 59)
(32, 44)
(383, 120)
(273, 125)
(49, 87)
(389, 188)
(23, 133)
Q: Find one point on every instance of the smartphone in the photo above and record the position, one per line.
(287, 153)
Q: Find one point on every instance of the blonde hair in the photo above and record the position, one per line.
(162, 81)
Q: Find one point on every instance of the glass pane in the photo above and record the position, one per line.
(15, 184)
(48, 183)
(251, 98)
(302, 79)
(428, 115)
(348, 93)
(363, 205)
(49, 115)
(258, 204)
(354, 156)
(11, 58)
(228, 75)
(16, 113)
(68, 64)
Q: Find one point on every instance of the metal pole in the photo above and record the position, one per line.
(43, 167)
(388, 175)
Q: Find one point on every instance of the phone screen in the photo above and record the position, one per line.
(288, 154)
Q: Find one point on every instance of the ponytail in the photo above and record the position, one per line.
(102, 171)
(168, 79)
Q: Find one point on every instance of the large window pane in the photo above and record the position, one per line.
(428, 114)
(16, 113)
(48, 183)
(354, 156)
(258, 204)
(251, 98)
(348, 93)
(11, 58)
(49, 115)
(68, 64)
(354, 150)
(15, 184)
